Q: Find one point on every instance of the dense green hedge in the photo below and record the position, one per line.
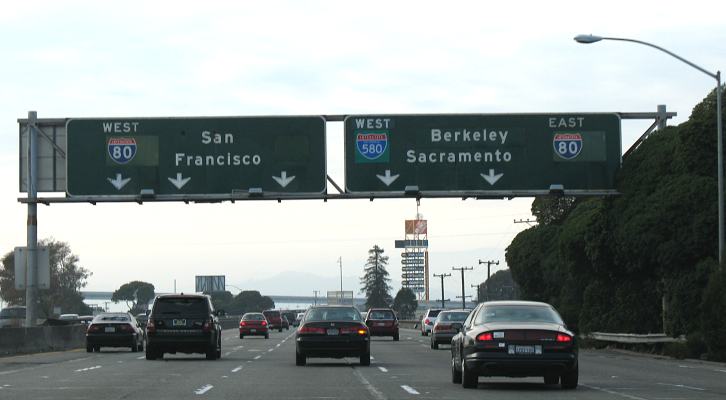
(612, 264)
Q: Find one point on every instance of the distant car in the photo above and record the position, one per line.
(382, 322)
(448, 323)
(185, 323)
(114, 330)
(298, 318)
(253, 324)
(12, 317)
(332, 331)
(515, 339)
(68, 317)
(274, 318)
(285, 322)
(428, 320)
(290, 317)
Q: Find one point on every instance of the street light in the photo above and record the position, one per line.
(587, 39)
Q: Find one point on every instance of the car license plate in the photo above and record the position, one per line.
(253, 330)
(525, 350)
(179, 322)
(109, 329)
(380, 324)
(333, 332)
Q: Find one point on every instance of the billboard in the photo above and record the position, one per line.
(416, 227)
(340, 297)
(209, 283)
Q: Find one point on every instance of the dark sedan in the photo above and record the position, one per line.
(114, 330)
(514, 339)
(448, 323)
(332, 331)
(382, 322)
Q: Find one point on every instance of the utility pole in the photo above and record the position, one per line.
(463, 295)
(340, 263)
(442, 276)
(315, 301)
(478, 298)
(489, 272)
(31, 270)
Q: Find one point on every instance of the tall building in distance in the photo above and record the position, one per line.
(415, 257)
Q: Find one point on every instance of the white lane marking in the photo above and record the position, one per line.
(681, 386)
(686, 366)
(203, 389)
(237, 369)
(227, 354)
(383, 369)
(627, 396)
(409, 389)
(224, 376)
(720, 370)
(373, 358)
(371, 389)
(258, 357)
(88, 369)
(277, 345)
(408, 338)
(270, 350)
(238, 347)
(120, 362)
(140, 358)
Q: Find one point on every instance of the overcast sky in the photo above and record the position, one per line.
(166, 59)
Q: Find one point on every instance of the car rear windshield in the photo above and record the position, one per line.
(383, 314)
(434, 313)
(8, 313)
(111, 318)
(518, 313)
(253, 317)
(180, 305)
(453, 316)
(333, 314)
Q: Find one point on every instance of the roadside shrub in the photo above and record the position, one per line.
(713, 319)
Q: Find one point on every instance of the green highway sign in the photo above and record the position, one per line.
(500, 154)
(196, 156)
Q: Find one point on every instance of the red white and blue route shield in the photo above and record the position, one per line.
(567, 145)
(122, 150)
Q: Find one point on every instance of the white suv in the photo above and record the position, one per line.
(428, 320)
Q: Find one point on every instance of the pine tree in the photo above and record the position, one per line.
(375, 279)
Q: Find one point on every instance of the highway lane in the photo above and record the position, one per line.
(255, 368)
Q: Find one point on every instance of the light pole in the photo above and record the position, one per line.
(586, 39)
(340, 263)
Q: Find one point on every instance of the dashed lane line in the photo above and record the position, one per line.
(383, 369)
(681, 386)
(371, 389)
(203, 389)
(627, 396)
(88, 369)
(258, 357)
(237, 369)
(409, 389)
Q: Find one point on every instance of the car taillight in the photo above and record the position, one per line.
(442, 327)
(427, 321)
(361, 330)
(311, 330)
(93, 328)
(150, 327)
(563, 338)
(264, 323)
(207, 327)
(242, 323)
(126, 328)
(485, 337)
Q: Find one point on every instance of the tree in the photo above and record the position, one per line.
(66, 280)
(249, 301)
(405, 303)
(375, 279)
(499, 286)
(136, 294)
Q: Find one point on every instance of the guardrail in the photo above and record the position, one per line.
(634, 338)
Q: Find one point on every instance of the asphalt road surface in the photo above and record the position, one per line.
(255, 368)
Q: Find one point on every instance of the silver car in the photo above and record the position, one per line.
(428, 320)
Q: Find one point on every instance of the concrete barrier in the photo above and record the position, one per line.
(41, 339)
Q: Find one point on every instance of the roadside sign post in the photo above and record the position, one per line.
(482, 154)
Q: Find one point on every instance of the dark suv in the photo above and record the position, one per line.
(185, 323)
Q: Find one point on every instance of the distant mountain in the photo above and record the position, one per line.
(296, 283)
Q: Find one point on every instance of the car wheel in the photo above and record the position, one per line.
(267, 335)
(365, 359)
(425, 333)
(455, 373)
(141, 346)
(89, 348)
(300, 359)
(568, 380)
(434, 344)
(395, 337)
(279, 329)
(211, 353)
(469, 379)
(97, 349)
(241, 336)
(134, 348)
(151, 353)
